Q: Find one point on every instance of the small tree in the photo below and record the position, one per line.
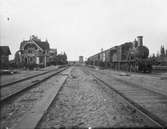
(162, 50)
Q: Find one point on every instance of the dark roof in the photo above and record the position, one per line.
(4, 50)
(43, 44)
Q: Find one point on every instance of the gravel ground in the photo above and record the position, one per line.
(145, 97)
(22, 74)
(157, 84)
(13, 112)
(84, 102)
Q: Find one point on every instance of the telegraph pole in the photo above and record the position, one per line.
(45, 59)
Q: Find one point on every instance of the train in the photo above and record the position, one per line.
(129, 56)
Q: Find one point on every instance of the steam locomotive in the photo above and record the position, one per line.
(130, 56)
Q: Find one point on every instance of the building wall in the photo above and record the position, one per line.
(102, 56)
(4, 60)
(119, 53)
(114, 58)
(107, 55)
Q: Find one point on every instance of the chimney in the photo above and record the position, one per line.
(140, 40)
(135, 43)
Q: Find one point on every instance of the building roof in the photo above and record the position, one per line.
(43, 44)
(4, 50)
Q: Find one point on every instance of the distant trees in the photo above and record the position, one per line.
(60, 59)
(160, 58)
(161, 53)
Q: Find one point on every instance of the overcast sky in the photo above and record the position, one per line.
(83, 27)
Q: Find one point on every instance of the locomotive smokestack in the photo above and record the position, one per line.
(140, 40)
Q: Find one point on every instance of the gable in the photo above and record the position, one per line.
(25, 43)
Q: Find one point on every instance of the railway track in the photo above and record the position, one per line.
(123, 77)
(17, 87)
(31, 118)
(25, 78)
(150, 104)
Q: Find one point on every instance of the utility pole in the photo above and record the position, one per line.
(45, 59)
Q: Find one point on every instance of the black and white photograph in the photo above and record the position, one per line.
(83, 64)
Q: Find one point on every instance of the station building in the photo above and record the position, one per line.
(34, 51)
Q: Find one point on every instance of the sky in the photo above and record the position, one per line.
(83, 27)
